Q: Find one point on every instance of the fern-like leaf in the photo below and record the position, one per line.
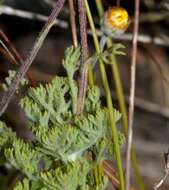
(6, 135)
(24, 158)
(68, 177)
(26, 184)
(47, 105)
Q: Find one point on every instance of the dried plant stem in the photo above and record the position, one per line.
(147, 106)
(29, 15)
(84, 55)
(161, 68)
(166, 171)
(24, 67)
(108, 98)
(73, 22)
(118, 3)
(110, 172)
(142, 38)
(132, 93)
(14, 54)
(6, 55)
(158, 185)
(8, 52)
(51, 2)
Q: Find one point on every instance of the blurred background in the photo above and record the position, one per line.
(21, 21)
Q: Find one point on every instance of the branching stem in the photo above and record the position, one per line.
(108, 98)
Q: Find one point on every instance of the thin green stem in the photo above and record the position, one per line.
(136, 168)
(73, 94)
(118, 88)
(121, 101)
(99, 6)
(90, 75)
(108, 98)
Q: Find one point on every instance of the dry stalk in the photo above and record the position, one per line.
(84, 55)
(14, 53)
(166, 172)
(73, 22)
(25, 66)
(132, 93)
(142, 38)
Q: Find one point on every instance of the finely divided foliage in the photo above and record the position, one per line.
(67, 147)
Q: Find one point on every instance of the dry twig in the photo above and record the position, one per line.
(84, 55)
(14, 53)
(24, 68)
(50, 2)
(132, 93)
(142, 38)
(149, 106)
(166, 172)
(73, 22)
(29, 15)
(118, 3)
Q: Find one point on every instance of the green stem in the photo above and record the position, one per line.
(108, 98)
(118, 88)
(121, 101)
(73, 94)
(99, 7)
(90, 76)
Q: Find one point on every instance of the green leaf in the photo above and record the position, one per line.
(9, 79)
(24, 158)
(59, 158)
(26, 184)
(69, 177)
(46, 105)
(6, 135)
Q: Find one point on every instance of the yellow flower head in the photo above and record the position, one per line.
(117, 17)
(116, 20)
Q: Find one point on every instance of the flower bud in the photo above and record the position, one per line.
(115, 22)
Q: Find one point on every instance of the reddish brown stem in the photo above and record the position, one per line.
(16, 54)
(84, 55)
(118, 3)
(73, 22)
